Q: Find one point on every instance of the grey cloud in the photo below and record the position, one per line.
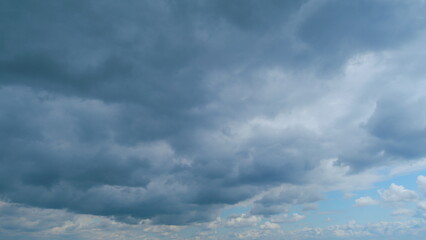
(254, 15)
(269, 210)
(399, 124)
(347, 27)
(277, 202)
(395, 131)
(282, 158)
(142, 109)
(18, 222)
(73, 161)
(22, 222)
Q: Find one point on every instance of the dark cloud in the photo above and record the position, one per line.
(347, 27)
(395, 132)
(398, 123)
(162, 110)
(278, 202)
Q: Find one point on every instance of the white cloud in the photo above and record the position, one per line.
(421, 209)
(397, 193)
(422, 205)
(310, 207)
(353, 230)
(348, 195)
(52, 224)
(243, 221)
(248, 234)
(402, 212)
(421, 183)
(163, 228)
(365, 201)
(412, 167)
(330, 175)
(270, 225)
(295, 217)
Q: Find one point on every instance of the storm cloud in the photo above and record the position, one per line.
(171, 110)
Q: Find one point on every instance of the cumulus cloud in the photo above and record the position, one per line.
(421, 183)
(397, 193)
(37, 223)
(249, 234)
(168, 111)
(403, 212)
(365, 201)
(295, 217)
(17, 221)
(421, 209)
(270, 225)
(380, 230)
(242, 221)
(278, 200)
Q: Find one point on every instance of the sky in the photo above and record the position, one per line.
(213, 119)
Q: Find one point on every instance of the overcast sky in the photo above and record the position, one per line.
(213, 119)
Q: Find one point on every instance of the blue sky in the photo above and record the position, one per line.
(219, 119)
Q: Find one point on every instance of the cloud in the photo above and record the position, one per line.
(395, 123)
(19, 222)
(36, 223)
(242, 221)
(365, 201)
(278, 200)
(328, 31)
(348, 195)
(402, 211)
(168, 111)
(249, 234)
(295, 217)
(421, 183)
(421, 209)
(397, 193)
(380, 230)
(310, 207)
(269, 225)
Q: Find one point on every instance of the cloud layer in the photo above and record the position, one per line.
(171, 110)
